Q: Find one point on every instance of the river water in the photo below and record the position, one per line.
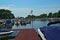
(35, 24)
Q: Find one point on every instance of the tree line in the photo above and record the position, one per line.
(49, 15)
(7, 14)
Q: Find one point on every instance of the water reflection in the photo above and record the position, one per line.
(5, 27)
(36, 24)
(7, 38)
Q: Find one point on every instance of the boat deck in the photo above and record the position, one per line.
(27, 34)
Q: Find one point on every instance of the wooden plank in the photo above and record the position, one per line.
(27, 34)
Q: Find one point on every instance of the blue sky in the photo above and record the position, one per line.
(23, 7)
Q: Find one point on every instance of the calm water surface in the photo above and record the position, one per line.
(35, 24)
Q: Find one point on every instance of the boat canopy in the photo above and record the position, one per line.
(8, 22)
(51, 32)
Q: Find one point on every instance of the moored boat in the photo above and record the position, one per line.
(50, 32)
(3, 32)
(8, 22)
(1, 22)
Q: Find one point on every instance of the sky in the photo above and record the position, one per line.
(22, 8)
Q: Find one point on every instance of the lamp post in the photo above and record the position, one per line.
(32, 17)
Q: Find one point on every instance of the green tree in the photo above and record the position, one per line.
(6, 14)
(58, 15)
(50, 15)
(55, 15)
(31, 16)
(43, 15)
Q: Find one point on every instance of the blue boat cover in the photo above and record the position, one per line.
(4, 30)
(51, 32)
(8, 22)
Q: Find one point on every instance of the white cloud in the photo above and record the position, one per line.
(26, 11)
(18, 11)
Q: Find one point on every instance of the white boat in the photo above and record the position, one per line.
(2, 32)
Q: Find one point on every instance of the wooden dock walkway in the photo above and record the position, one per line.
(27, 34)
